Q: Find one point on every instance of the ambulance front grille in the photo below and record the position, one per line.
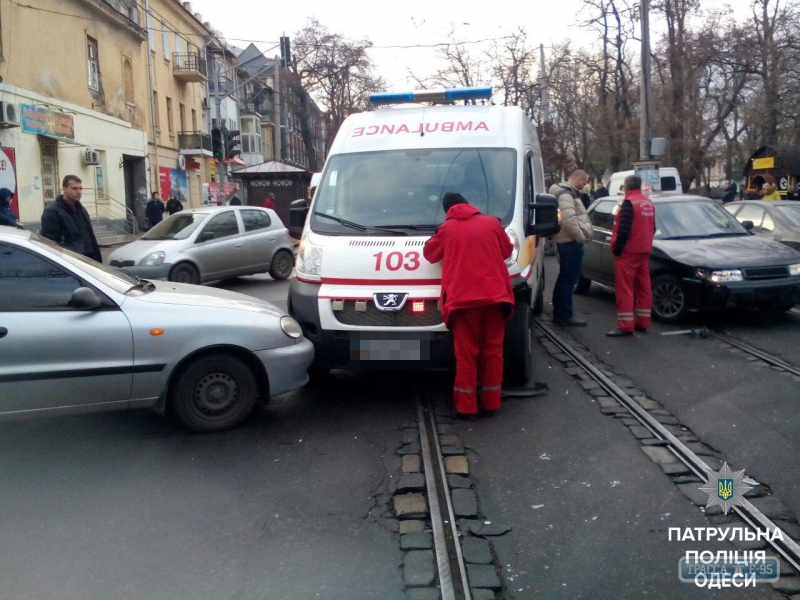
(372, 317)
(363, 243)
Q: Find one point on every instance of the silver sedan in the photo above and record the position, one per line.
(211, 243)
(79, 336)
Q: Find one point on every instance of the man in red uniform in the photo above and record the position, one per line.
(476, 300)
(631, 243)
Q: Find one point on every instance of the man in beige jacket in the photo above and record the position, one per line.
(576, 230)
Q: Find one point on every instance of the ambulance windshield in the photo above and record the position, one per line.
(403, 189)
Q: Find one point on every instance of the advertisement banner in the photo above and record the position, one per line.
(219, 195)
(173, 182)
(8, 175)
(47, 122)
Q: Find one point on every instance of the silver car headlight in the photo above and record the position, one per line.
(153, 260)
(512, 237)
(309, 258)
(726, 275)
(291, 328)
(794, 270)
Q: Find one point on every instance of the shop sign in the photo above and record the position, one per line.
(764, 163)
(47, 122)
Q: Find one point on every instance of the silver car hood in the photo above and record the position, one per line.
(137, 250)
(181, 294)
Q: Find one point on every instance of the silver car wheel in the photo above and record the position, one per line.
(668, 300)
(216, 394)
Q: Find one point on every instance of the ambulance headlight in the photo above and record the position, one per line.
(726, 275)
(309, 258)
(512, 237)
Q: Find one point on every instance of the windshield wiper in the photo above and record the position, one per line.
(727, 233)
(141, 284)
(357, 226)
(425, 227)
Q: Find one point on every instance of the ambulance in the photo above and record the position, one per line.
(363, 292)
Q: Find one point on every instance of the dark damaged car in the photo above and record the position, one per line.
(702, 258)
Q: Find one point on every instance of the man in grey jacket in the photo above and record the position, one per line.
(576, 230)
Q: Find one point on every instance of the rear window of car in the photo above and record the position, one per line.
(255, 219)
(602, 216)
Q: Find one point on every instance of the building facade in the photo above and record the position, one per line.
(74, 101)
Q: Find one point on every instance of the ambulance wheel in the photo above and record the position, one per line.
(519, 345)
(538, 306)
(583, 285)
(670, 304)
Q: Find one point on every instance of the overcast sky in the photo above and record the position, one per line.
(409, 22)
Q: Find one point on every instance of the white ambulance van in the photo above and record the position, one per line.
(363, 292)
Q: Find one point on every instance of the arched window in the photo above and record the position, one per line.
(127, 73)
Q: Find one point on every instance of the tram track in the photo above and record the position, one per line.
(787, 548)
(766, 357)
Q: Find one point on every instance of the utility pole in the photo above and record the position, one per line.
(222, 170)
(645, 119)
(156, 184)
(277, 99)
(543, 79)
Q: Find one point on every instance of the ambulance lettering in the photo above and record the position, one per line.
(394, 261)
(446, 127)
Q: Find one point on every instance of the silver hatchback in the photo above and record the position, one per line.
(211, 243)
(79, 336)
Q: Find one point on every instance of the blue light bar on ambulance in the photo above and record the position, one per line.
(453, 95)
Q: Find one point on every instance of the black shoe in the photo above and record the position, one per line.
(618, 333)
(641, 329)
(571, 322)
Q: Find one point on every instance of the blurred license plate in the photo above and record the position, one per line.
(385, 350)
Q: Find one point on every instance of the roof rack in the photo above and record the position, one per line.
(452, 95)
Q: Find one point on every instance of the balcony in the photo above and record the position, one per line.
(263, 109)
(226, 85)
(189, 67)
(195, 143)
(123, 14)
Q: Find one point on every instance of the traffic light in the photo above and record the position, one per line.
(231, 141)
(216, 143)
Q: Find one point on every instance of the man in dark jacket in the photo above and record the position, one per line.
(67, 223)
(601, 191)
(174, 205)
(155, 209)
(7, 216)
(631, 242)
(476, 299)
(730, 192)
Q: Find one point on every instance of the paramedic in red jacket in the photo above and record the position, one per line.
(631, 243)
(476, 299)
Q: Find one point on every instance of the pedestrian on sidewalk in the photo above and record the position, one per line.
(154, 211)
(601, 191)
(66, 221)
(269, 202)
(476, 299)
(576, 230)
(174, 205)
(7, 216)
(631, 243)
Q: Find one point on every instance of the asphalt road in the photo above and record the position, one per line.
(293, 505)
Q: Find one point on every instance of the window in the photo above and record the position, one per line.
(251, 136)
(751, 212)
(94, 63)
(170, 126)
(223, 225)
(165, 39)
(194, 120)
(602, 216)
(31, 283)
(255, 219)
(768, 224)
(182, 115)
(50, 181)
(178, 228)
(177, 43)
(127, 75)
(668, 184)
(155, 103)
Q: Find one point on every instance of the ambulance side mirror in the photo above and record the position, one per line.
(544, 213)
(298, 211)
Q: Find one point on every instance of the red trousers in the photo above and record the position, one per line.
(478, 338)
(633, 291)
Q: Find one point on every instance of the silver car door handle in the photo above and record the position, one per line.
(608, 238)
(239, 245)
(3, 332)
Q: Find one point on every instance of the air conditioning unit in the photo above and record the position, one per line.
(91, 157)
(9, 115)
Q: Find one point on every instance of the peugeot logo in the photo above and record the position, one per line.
(389, 301)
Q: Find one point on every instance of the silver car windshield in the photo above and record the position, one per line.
(404, 188)
(176, 227)
(676, 220)
(790, 213)
(113, 278)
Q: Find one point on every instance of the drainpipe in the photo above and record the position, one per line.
(153, 106)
